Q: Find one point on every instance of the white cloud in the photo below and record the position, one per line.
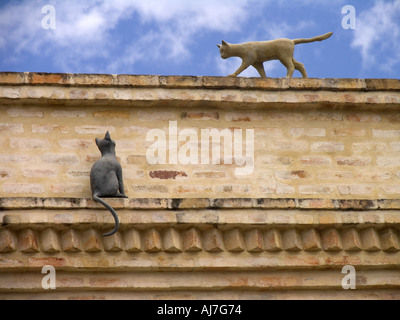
(85, 28)
(377, 35)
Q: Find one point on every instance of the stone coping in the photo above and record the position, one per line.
(196, 82)
(13, 203)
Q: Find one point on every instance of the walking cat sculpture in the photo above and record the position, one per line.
(106, 177)
(257, 52)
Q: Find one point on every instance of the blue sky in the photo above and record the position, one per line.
(179, 37)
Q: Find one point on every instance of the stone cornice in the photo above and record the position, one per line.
(196, 82)
(193, 92)
(13, 203)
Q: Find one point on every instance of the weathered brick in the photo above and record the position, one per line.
(355, 189)
(25, 113)
(8, 241)
(348, 132)
(210, 174)
(113, 243)
(70, 241)
(311, 240)
(351, 240)
(379, 133)
(388, 161)
(273, 241)
(94, 129)
(363, 117)
(369, 146)
(316, 161)
(316, 189)
(285, 116)
(292, 240)
(28, 242)
(327, 147)
(254, 240)
(391, 190)
(11, 128)
(136, 159)
(292, 175)
(325, 116)
(308, 132)
(91, 241)
(39, 172)
(152, 242)
(79, 94)
(155, 189)
(213, 240)
(75, 143)
(234, 241)
(11, 93)
(389, 239)
(60, 158)
(69, 114)
(111, 114)
(132, 240)
(167, 175)
(49, 128)
(370, 240)
(49, 241)
(276, 160)
(48, 78)
(296, 146)
(172, 241)
(331, 240)
(192, 240)
(24, 143)
(277, 188)
(155, 116)
(23, 188)
(206, 116)
(243, 116)
(353, 161)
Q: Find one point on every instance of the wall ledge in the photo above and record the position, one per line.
(12, 203)
(185, 82)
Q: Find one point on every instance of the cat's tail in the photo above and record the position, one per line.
(96, 198)
(319, 38)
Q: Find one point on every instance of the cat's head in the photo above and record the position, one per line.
(224, 49)
(106, 146)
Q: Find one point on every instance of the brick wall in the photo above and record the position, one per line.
(320, 192)
(320, 139)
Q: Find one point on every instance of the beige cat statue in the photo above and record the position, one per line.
(257, 52)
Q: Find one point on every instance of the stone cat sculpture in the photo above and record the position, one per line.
(257, 52)
(106, 177)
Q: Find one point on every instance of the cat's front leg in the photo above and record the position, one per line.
(243, 67)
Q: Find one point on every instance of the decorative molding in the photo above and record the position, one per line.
(203, 203)
(208, 239)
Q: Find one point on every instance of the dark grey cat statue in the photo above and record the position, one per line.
(106, 177)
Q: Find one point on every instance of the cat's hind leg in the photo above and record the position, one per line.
(288, 63)
(299, 66)
(260, 68)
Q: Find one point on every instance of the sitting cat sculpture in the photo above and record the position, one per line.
(257, 52)
(106, 177)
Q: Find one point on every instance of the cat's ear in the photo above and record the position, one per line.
(219, 46)
(97, 141)
(224, 43)
(107, 137)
